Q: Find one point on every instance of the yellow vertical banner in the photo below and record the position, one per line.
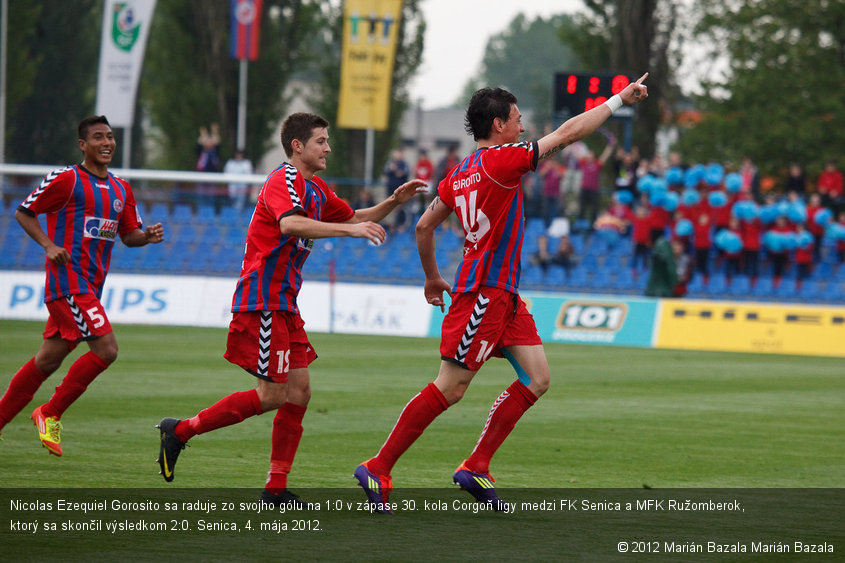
(370, 30)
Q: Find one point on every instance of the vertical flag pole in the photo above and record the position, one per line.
(241, 139)
(368, 157)
(127, 146)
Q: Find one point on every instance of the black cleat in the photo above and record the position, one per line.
(286, 498)
(170, 447)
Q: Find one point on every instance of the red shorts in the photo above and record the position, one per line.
(268, 344)
(77, 317)
(479, 324)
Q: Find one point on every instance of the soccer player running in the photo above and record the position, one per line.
(266, 334)
(486, 316)
(87, 207)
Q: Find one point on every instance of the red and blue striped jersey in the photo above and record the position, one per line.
(271, 275)
(85, 213)
(485, 191)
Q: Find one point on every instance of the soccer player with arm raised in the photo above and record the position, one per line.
(486, 317)
(87, 208)
(266, 335)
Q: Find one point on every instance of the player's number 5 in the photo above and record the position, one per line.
(96, 317)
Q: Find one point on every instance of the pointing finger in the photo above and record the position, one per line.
(643, 77)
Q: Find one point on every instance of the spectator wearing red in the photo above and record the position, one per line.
(424, 168)
(659, 218)
(751, 230)
(831, 185)
(780, 258)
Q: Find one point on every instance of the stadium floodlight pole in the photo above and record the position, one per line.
(241, 135)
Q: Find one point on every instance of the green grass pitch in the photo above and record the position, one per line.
(614, 417)
(617, 423)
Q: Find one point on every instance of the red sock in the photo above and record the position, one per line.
(225, 412)
(506, 411)
(416, 416)
(287, 430)
(80, 375)
(21, 389)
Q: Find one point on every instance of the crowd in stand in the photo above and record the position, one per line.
(712, 219)
(729, 221)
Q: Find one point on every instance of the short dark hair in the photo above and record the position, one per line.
(86, 124)
(299, 126)
(486, 105)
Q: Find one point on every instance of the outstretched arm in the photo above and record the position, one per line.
(583, 125)
(304, 227)
(402, 194)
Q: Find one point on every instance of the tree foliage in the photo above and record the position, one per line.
(523, 59)
(782, 96)
(189, 79)
(632, 36)
(48, 91)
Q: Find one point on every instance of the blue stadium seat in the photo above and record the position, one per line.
(740, 286)
(764, 287)
(811, 290)
(182, 213)
(229, 216)
(786, 288)
(206, 214)
(159, 213)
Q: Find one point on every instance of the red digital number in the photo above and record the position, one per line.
(590, 103)
(571, 84)
(594, 84)
(618, 83)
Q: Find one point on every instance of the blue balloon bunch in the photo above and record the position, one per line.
(690, 197)
(675, 176)
(803, 239)
(714, 174)
(796, 212)
(669, 202)
(835, 231)
(823, 216)
(683, 228)
(625, 197)
(768, 213)
(733, 183)
(717, 199)
(694, 175)
(728, 241)
(745, 210)
(775, 241)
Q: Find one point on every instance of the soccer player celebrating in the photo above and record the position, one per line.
(87, 207)
(266, 334)
(486, 316)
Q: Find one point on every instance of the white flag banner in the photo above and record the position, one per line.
(126, 25)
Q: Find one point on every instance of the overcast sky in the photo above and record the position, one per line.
(456, 34)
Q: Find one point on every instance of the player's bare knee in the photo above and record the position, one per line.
(540, 383)
(47, 365)
(454, 393)
(105, 347)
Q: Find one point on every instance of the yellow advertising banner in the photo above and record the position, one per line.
(370, 30)
(752, 327)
